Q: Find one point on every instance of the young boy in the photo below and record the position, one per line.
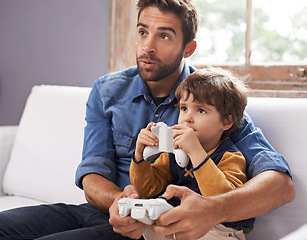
(211, 107)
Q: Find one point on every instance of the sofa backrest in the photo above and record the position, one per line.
(49, 141)
(48, 145)
(283, 122)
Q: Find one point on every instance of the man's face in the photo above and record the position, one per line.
(159, 44)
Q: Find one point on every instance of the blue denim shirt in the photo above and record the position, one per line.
(120, 105)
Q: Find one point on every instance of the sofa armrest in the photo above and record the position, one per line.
(7, 138)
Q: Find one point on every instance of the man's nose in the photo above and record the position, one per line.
(149, 45)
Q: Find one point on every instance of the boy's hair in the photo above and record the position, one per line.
(219, 88)
(184, 9)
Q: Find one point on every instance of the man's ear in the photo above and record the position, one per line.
(189, 49)
(228, 122)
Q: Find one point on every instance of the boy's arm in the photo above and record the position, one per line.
(228, 174)
(148, 179)
(151, 179)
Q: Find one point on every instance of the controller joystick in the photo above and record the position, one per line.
(165, 135)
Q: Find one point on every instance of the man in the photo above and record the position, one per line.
(264, 192)
(121, 104)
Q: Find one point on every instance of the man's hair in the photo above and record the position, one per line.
(185, 10)
(219, 88)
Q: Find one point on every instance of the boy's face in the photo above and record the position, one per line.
(159, 41)
(204, 119)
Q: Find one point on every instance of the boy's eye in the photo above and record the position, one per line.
(183, 109)
(201, 110)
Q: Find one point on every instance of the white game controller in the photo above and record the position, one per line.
(165, 135)
(143, 210)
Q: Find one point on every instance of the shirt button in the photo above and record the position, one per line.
(157, 115)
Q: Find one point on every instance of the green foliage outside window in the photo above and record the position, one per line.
(221, 36)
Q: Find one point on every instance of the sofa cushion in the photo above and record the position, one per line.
(283, 122)
(8, 202)
(48, 145)
(7, 139)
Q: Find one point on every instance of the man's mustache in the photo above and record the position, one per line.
(148, 57)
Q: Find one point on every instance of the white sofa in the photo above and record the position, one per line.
(39, 157)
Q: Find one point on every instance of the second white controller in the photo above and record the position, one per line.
(165, 135)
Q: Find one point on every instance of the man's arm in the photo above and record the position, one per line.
(260, 195)
(99, 191)
(104, 195)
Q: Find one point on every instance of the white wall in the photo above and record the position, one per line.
(62, 42)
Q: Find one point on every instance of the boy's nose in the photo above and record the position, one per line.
(188, 118)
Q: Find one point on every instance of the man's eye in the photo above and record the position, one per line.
(165, 37)
(142, 32)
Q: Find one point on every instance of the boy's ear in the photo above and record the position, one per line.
(189, 49)
(228, 122)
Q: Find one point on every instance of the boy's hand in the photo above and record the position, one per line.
(187, 140)
(145, 138)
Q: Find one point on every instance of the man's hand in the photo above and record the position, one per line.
(126, 226)
(187, 220)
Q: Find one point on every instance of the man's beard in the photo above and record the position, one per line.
(163, 70)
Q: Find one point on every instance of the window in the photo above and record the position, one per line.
(221, 33)
(263, 41)
(257, 32)
(123, 19)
